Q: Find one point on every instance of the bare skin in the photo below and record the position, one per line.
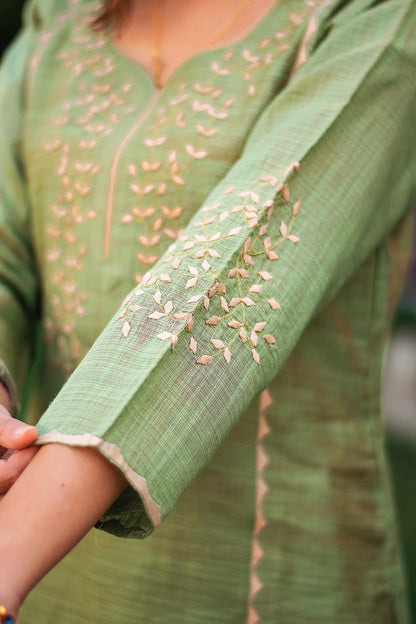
(15, 441)
(186, 28)
(44, 492)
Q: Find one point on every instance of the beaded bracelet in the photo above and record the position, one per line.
(5, 618)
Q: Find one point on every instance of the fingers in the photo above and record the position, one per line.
(13, 433)
(12, 467)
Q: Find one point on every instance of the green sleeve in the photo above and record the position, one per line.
(327, 172)
(18, 278)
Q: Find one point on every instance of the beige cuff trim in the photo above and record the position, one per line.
(114, 454)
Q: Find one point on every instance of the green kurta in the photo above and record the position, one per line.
(254, 208)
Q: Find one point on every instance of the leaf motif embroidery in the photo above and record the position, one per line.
(234, 298)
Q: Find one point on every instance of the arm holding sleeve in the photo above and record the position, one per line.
(325, 175)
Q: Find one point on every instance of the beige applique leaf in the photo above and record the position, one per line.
(284, 192)
(221, 288)
(151, 281)
(126, 329)
(191, 282)
(135, 307)
(269, 339)
(241, 272)
(206, 265)
(135, 188)
(234, 324)
(213, 320)
(218, 344)
(156, 315)
(230, 189)
(272, 255)
(164, 277)
(223, 216)
(154, 142)
(224, 304)
(193, 345)
(188, 245)
(213, 253)
(204, 359)
(197, 154)
(193, 271)
(168, 307)
(213, 290)
(227, 355)
(120, 314)
(255, 288)
(206, 302)
(294, 239)
(265, 275)
(149, 166)
(180, 316)
(200, 238)
(200, 253)
(293, 167)
(249, 56)
(254, 338)
(252, 223)
(176, 263)
(296, 208)
(283, 229)
(253, 196)
(190, 323)
(234, 231)
(157, 296)
(247, 301)
(247, 245)
(165, 336)
(273, 304)
(174, 341)
(243, 334)
(216, 236)
(237, 208)
(234, 302)
(195, 299)
(256, 356)
(258, 327)
(247, 259)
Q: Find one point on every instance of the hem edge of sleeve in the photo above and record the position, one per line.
(113, 453)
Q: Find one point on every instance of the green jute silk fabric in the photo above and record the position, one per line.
(214, 265)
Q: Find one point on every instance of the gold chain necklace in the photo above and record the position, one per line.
(157, 63)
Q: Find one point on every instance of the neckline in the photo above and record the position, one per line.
(222, 47)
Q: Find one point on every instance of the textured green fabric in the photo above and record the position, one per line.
(258, 203)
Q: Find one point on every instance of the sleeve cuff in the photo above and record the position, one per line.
(134, 513)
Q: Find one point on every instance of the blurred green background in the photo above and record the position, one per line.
(401, 438)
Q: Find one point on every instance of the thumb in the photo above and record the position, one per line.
(15, 434)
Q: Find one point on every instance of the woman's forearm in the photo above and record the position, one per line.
(58, 498)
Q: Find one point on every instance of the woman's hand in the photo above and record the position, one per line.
(15, 449)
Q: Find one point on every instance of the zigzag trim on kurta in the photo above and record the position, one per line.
(260, 522)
